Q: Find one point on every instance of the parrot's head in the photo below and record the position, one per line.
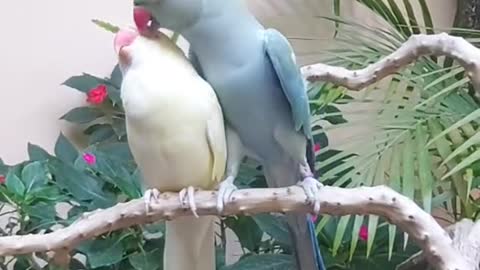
(175, 15)
(133, 48)
(123, 45)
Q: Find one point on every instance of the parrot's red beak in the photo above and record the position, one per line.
(124, 38)
(142, 17)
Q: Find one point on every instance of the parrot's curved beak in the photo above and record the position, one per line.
(144, 21)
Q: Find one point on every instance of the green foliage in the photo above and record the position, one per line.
(422, 121)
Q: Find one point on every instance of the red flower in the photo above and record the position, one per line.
(363, 233)
(316, 147)
(90, 159)
(2, 180)
(97, 95)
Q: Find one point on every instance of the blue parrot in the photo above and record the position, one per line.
(263, 96)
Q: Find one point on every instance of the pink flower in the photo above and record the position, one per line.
(97, 95)
(316, 147)
(90, 159)
(2, 180)
(314, 218)
(363, 233)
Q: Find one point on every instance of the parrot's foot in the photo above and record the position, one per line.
(225, 191)
(311, 186)
(187, 198)
(150, 195)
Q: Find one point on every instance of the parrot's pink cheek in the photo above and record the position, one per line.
(142, 18)
(123, 39)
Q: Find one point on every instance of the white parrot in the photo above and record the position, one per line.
(175, 130)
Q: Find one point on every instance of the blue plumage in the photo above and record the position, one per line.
(263, 97)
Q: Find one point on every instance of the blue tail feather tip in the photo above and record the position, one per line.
(316, 247)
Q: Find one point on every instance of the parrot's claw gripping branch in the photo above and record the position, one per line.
(436, 243)
(149, 196)
(466, 54)
(225, 191)
(311, 186)
(187, 198)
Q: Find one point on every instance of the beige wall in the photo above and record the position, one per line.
(42, 44)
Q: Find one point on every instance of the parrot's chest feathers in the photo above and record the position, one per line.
(146, 95)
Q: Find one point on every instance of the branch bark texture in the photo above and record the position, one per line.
(467, 55)
(435, 242)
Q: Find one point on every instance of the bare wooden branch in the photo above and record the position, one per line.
(383, 201)
(465, 235)
(467, 55)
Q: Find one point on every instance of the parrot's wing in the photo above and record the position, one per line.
(217, 141)
(283, 60)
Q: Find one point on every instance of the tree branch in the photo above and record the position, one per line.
(467, 55)
(380, 200)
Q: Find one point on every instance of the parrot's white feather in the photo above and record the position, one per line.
(176, 133)
(174, 121)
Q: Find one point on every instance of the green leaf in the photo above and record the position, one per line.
(474, 140)
(65, 150)
(83, 115)
(14, 184)
(472, 116)
(274, 226)
(119, 127)
(264, 262)
(427, 18)
(247, 231)
(21, 263)
(47, 193)
(114, 95)
(468, 161)
(116, 173)
(104, 252)
(99, 133)
(411, 17)
(342, 226)
(121, 150)
(43, 211)
(84, 82)
(80, 185)
(116, 77)
(146, 261)
(355, 234)
(3, 167)
(392, 232)
(372, 230)
(34, 176)
(36, 153)
(424, 169)
(219, 257)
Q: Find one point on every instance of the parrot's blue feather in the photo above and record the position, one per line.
(316, 246)
(281, 55)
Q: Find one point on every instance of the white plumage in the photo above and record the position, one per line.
(176, 134)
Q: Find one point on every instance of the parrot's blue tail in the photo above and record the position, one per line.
(311, 226)
(316, 246)
(304, 241)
